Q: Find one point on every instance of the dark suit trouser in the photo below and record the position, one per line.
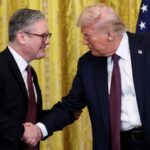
(133, 140)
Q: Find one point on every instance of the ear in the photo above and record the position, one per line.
(110, 36)
(20, 36)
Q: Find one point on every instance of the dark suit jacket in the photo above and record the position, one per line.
(90, 88)
(13, 102)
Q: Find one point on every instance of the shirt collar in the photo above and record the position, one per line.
(123, 49)
(21, 62)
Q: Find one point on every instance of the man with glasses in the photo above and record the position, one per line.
(20, 95)
(43, 36)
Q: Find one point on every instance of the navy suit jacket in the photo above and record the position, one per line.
(90, 88)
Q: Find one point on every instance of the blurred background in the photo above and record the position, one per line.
(57, 70)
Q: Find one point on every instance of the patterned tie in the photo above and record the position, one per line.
(115, 104)
(31, 113)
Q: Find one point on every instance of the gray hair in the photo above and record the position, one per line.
(104, 17)
(22, 19)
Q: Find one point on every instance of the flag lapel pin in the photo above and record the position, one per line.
(140, 51)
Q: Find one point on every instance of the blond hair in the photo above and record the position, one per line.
(103, 17)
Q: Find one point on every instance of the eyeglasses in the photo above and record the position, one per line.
(43, 36)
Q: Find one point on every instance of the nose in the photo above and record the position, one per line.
(47, 41)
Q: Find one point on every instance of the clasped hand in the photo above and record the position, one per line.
(32, 134)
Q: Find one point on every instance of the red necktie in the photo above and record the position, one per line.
(31, 113)
(115, 104)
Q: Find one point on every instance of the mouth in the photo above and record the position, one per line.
(43, 47)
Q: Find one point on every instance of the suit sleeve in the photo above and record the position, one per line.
(62, 113)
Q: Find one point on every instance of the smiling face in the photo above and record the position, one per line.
(31, 41)
(35, 46)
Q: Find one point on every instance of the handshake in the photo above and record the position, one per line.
(32, 134)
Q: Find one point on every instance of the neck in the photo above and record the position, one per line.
(18, 49)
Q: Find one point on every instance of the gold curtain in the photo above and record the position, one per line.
(57, 70)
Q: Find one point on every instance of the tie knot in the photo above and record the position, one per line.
(28, 68)
(115, 57)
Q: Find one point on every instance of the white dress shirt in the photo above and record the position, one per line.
(22, 64)
(130, 117)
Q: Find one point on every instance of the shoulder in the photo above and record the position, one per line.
(88, 57)
(5, 56)
(88, 60)
(140, 37)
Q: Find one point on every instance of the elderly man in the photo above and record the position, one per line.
(113, 81)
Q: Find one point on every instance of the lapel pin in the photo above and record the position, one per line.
(140, 51)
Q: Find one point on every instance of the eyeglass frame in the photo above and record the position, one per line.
(43, 36)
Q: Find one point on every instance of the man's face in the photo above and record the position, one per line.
(97, 41)
(36, 40)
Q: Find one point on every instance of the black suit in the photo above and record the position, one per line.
(14, 103)
(90, 88)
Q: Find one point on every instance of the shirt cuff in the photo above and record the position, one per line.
(43, 129)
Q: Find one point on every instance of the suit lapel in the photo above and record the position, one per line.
(101, 82)
(38, 91)
(13, 66)
(137, 60)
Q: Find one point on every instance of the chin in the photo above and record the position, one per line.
(41, 56)
(94, 53)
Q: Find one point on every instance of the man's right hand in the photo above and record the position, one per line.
(32, 134)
